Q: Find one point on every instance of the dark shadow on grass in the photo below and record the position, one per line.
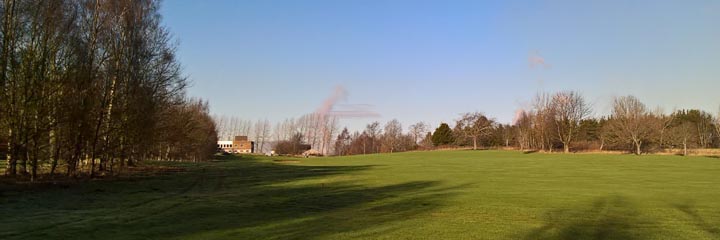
(251, 199)
(689, 209)
(606, 218)
(307, 212)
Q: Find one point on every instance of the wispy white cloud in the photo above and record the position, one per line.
(535, 59)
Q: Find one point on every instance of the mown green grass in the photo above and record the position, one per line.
(418, 195)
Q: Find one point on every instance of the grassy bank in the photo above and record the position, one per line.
(431, 195)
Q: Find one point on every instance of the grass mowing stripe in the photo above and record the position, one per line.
(425, 195)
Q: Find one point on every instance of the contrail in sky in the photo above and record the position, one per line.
(330, 105)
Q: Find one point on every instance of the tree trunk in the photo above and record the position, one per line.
(474, 143)
(75, 157)
(112, 162)
(24, 154)
(662, 136)
(566, 147)
(11, 157)
(34, 162)
(55, 157)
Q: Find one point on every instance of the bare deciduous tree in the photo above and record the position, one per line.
(392, 134)
(373, 131)
(631, 121)
(523, 124)
(474, 125)
(681, 135)
(543, 121)
(568, 109)
(665, 122)
(92, 83)
(417, 130)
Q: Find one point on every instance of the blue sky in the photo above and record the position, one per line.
(430, 60)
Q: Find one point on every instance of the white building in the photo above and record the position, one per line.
(225, 144)
(240, 144)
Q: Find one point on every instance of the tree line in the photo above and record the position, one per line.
(562, 122)
(90, 87)
(557, 122)
(554, 122)
(631, 126)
